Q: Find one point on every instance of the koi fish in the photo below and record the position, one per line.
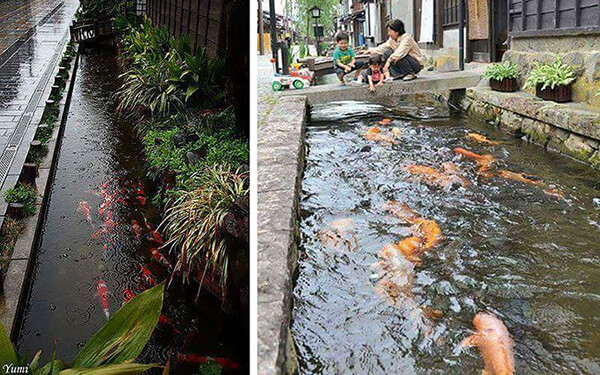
(104, 247)
(141, 195)
(339, 235)
(429, 232)
(385, 121)
(128, 295)
(156, 237)
(374, 134)
(104, 299)
(160, 258)
(446, 179)
(85, 209)
(137, 229)
(196, 359)
(481, 139)
(531, 180)
(494, 343)
(396, 132)
(162, 319)
(147, 275)
(484, 162)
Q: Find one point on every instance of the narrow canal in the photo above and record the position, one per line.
(511, 248)
(98, 228)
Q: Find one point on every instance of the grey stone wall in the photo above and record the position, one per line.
(581, 51)
(571, 129)
(280, 167)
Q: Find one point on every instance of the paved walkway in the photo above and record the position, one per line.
(266, 96)
(31, 52)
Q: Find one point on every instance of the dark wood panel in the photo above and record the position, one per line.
(200, 19)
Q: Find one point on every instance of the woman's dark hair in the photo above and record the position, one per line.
(397, 26)
(340, 35)
(375, 60)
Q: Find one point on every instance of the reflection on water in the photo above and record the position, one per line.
(508, 248)
(100, 163)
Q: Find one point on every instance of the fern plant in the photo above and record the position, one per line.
(550, 75)
(499, 72)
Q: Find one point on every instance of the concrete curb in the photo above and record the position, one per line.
(280, 166)
(17, 278)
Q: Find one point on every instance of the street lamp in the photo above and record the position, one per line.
(316, 14)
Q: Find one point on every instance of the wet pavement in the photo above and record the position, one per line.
(266, 95)
(25, 71)
(19, 17)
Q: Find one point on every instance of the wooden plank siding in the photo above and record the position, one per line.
(531, 15)
(202, 20)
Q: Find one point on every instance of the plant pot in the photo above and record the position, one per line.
(559, 94)
(505, 85)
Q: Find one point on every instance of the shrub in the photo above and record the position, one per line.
(500, 71)
(550, 75)
(195, 219)
(111, 350)
(22, 194)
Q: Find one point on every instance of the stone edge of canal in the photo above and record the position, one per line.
(16, 281)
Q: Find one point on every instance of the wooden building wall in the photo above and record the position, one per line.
(552, 14)
(202, 20)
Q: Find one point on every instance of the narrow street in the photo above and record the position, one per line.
(31, 41)
(266, 96)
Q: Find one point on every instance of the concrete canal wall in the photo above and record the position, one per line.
(17, 277)
(280, 166)
(572, 129)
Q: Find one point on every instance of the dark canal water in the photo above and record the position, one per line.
(508, 248)
(100, 163)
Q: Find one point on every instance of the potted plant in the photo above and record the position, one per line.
(503, 77)
(551, 81)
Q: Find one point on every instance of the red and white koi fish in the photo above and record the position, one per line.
(104, 299)
(162, 319)
(104, 247)
(137, 229)
(141, 195)
(197, 359)
(160, 258)
(128, 295)
(147, 275)
(85, 209)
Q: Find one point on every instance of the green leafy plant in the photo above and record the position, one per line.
(500, 71)
(111, 350)
(22, 194)
(201, 77)
(195, 219)
(550, 75)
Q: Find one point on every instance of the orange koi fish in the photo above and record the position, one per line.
(385, 121)
(484, 162)
(481, 139)
(494, 343)
(194, 358)
(374, 134)
(447, 178)
(104, 299)
(531, 180)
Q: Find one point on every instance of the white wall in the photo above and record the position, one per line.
(403, 10)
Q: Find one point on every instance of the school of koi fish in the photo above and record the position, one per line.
(394, 272)
(125, 193)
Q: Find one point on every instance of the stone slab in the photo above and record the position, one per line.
(578, 118)
(426, 82)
